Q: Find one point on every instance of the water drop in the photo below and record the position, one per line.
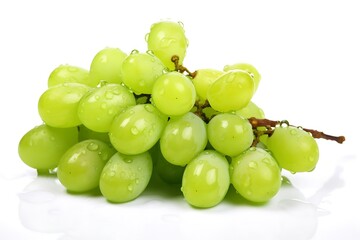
(147, 37)
(116, 92)
(252, 165)
(311, 159)
(103, 105)
(293, 132)
(247, 181)
(181, 24)
(93, 146)
(112, 173)
(97, 97)
(104, 156)
(149, 108)
(130, 187)
(137, 181)
(135, 51)
(139, 169)
(249, 193)
(266, 161)
(150, 52)
(134, 130)
(128, 160)
(252, 149)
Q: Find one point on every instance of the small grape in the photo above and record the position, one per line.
(173, 94)
(231, 91)
(203, 80)
(206, 179)
(42, 147)
(255, 175)
(167, 39)
(70, 74)
(294, 149)
(125, 177)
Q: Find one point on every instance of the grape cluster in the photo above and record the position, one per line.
(130, 116)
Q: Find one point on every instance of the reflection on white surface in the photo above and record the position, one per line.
(162, 213)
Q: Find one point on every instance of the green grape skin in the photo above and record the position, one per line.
(173, 94)
(206, 179)
(98, 108)
(85, 133)
(230, 134)
(251, 110)
(255, 175)
(248, 68)
(70, 74)
(137, 129)
(231, 91)
(80, 166)
(294, 149)
(167, 39)
(203, 80)
(183, 138)
(140, 71)
(169, 173)
(42, 147)
(106, 66)
(125, 177)
(58, 105)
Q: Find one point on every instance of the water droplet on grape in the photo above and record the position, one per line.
(128, 160)
(103, 105)
(252, 149)
(116, 92)
(150, 52)
(137, 181)
(252, 165)
(135, 51)
(266, 161)
(103, 156)
(247, 181)
(181, 24)
(293, 132)
(134, 130)
(130, 188)
(92, 146)
(149, 108)
(249, 193)
(146, 37)
(112, 173)
(97, 97)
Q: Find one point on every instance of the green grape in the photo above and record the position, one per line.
(232, 91)
(42, 147)
(248, 68)
(230, 134)
(70, 74)
(255, 175)
(167, 39)
(251, 110)
(125, 177)
(137, 129)
(168, 172)
(140, 70)
(203, 80)
(106, 65)
(206, 179)
(294, 149)
(173, 94)
(85, 133)
(98, 108)
(183, 138)
(80, 167)
(58, 105)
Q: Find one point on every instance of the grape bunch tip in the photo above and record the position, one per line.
(129, 116)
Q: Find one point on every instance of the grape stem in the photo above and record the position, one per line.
(270, 125)
(180, 68)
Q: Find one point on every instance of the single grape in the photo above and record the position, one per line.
(168, 172)
(294, 149)
(106, 66)
(251, 110)
(140, 71)
(173, 94)
(80, 167)
(42, 147)
(98, 108)
(70, 74)
(206, 179)
(125, 177)
(203, 80)
(231, 91)
(167, 39)
(230, 134)
(85, 133)
(248, 68)
(137, 129)
(183, 138)
(58, 105)
(255, 175)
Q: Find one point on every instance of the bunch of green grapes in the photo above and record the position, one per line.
(134, 115)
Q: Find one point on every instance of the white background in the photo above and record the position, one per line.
(308, 53)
